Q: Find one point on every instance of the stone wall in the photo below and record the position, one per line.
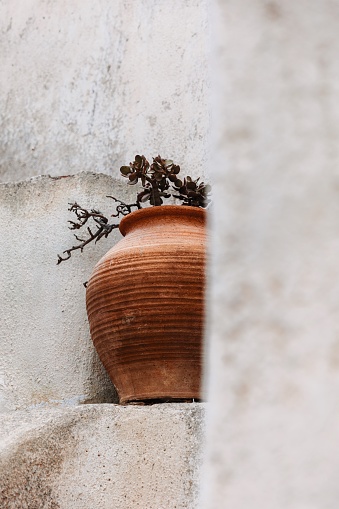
(46, 352)
(87, 85)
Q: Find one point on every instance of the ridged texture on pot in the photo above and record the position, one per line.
(145, 304)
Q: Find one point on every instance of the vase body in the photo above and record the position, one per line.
(145, 305)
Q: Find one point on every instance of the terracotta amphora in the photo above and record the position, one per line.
(145, 305)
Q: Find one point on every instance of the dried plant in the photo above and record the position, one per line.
(158, 181)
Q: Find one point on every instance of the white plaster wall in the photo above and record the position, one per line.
(85, 85)
(46, 354)
(102, 456)
(273, 419)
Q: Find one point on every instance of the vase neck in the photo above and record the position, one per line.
(176, 216)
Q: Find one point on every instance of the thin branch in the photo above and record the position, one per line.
(124, 208)
(83, 215)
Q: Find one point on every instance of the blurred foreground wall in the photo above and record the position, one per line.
(273, 370)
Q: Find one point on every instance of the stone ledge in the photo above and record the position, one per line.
(102, 456)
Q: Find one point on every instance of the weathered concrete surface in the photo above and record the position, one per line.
(273, 419)
(46, 354)
(102, 456)
(87, 85)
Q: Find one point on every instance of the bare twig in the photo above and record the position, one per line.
(83, 215)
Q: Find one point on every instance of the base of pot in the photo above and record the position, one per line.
(156, 401)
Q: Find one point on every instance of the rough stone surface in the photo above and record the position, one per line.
(86, 85)
(102, 456)
(47, 355)
(273, 419)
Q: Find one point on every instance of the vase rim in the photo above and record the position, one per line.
(126, 222)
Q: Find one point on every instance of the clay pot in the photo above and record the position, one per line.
(145, 305)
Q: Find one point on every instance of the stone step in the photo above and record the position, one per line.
(102, 456)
